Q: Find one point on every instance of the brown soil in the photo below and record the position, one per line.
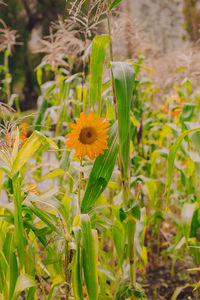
(159, 284)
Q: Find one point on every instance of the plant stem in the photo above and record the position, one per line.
(131, 227)
(84, 105)
(111, 58)
(67, 274)
(18, 222)
(56, 76)
(7, 75)
(80, 184)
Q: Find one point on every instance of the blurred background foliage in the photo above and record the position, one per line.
(31, 19)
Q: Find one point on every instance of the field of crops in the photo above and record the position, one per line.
(100, 185)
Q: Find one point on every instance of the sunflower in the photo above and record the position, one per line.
(88, 136)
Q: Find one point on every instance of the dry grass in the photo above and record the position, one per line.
(7, 38)
(130, 42)
(129, 39)
(87, 22)
(57, 47)
(70, 38)
(8, 127)
(172, 68)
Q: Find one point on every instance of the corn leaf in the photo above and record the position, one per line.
(1, 176)
(77, 266)
(119, 237)
(101, 171)
(28, 149)
(16, 146)
(9, 250)
(124, 76)
(18, 222)
(114, 3)
(54, 173)
(48, 218)
(90, 257)
(41, 114)
(24, 281)
(4, 293)
(99, 45)
(5, 159)
(171, 157)
(48, 200)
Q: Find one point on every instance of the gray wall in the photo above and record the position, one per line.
(162, 20)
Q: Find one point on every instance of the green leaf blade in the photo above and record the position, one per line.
(114, 3)
(101, 171)
(28, 149)
(77, 266)
(90, 257)
(124, 77)
(98, 52)
(172, 154)
(24, 281)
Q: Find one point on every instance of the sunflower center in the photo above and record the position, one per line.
(88, 135)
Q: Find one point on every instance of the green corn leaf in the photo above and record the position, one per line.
(24, 281)
(48, 200)
(41, 114)
(114, 3)
(49, 219)
(4, 267)
(28, 149)
(106, 272)
(1, 176)
(18, 222)
(65, 160)
(39, 75)
(99, 45)
(178, 290)
(187, 213)
(54, 173)
(131, 228)
(9, 250)
(56, 282)
(90, 257)
(171, 157)
(119, 237)
(152, 192)
(50, 142)
(188, 111)
(16, 146)
(77, 266)
(124, 76)
(101, 171)
(5, 159)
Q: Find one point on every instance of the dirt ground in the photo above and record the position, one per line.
(159, 284)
